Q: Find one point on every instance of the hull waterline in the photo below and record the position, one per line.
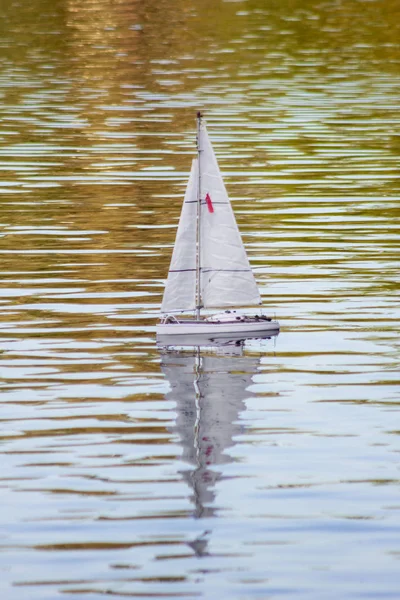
(236, 329)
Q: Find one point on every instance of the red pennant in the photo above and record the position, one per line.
(209, 204)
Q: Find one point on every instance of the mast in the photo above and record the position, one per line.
(198, 267)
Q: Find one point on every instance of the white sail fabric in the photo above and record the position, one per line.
(180, 289)
(226, 278)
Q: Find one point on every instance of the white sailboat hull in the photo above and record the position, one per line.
(232, 329)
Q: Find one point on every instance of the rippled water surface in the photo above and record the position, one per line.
(130, 472)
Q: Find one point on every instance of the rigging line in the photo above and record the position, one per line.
(209, 270)
(205, 270)
(203, 202)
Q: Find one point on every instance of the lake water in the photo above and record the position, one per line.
(263, 473)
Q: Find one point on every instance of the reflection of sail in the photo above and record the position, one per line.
(209, 393)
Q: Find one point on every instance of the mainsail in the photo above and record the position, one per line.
(226, 278)
(180, 289)
(209, 263)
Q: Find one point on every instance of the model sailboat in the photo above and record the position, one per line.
(209, 267)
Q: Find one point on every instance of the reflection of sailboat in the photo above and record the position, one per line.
(209, 392)
(209, 266)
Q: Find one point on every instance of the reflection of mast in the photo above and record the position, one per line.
(209, 392)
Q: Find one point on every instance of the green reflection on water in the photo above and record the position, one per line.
(98, 100)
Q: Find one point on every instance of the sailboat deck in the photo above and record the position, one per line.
(216, 321)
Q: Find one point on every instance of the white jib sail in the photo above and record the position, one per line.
(226, 275)
(180, 289)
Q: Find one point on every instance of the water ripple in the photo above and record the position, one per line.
(117, 478)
